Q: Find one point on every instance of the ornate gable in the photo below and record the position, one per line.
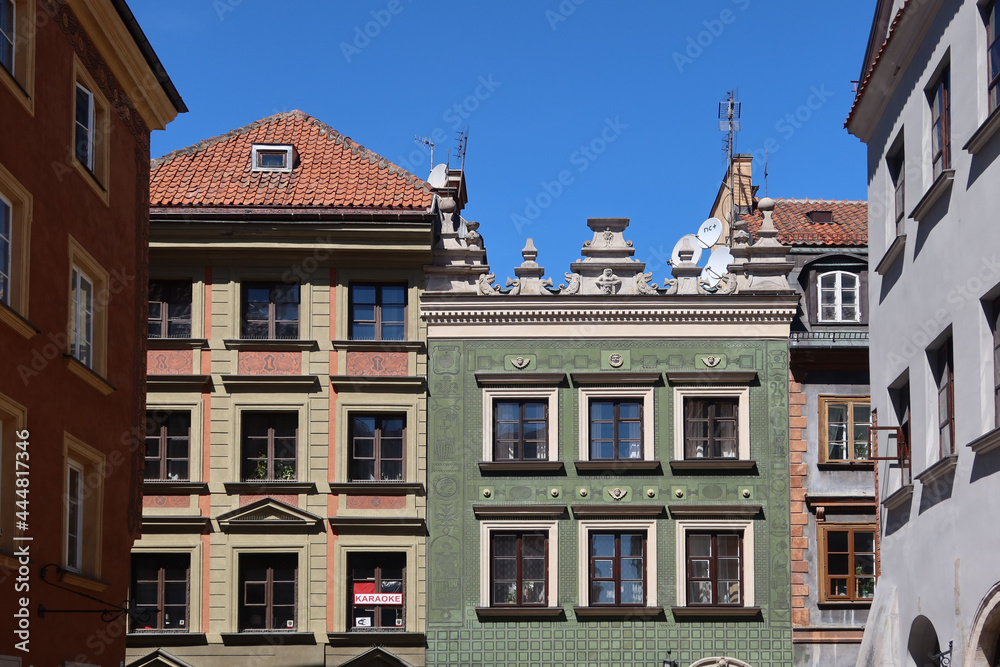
(376, 657)
(269, 514)
(159, 658)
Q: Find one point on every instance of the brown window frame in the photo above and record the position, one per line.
(851, 444)
(270, 562)
(992, 14)
(377, 458)
(158, 431)
(944, 361)
(940, 100)
(617, 420)
(713, 575)
(519, 569)
(380, 559)
(377, 323)
(616, 567)
(271, 461)
(157, 612)
(711, 419)
(277, 291)
(896, 161)
(994, 311)
(167, 295)
(852, 577)
(519, 443)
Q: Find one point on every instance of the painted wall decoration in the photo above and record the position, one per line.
(169, 362)
(270, 363)
(380, 364)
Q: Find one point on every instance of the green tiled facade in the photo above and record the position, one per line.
(456, 635)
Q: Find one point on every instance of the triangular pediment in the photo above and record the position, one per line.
(269, 514)
(159, 658)
(376, 657)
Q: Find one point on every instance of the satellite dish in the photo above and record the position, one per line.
(709, 232)
(718, 266)
(439, 176)
(692, 241)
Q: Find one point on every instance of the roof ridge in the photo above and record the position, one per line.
(332, 134)
(809, 200)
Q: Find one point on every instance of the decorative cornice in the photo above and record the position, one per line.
(520, 379)
(710, 376)
(519, 510)
(714, 510)
(616, 377)
(580, 511)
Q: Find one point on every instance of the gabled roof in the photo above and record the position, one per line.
(791, 218)
(330, 171)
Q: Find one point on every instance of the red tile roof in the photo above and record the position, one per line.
(331, 171)
(791, 219)
(863, 85)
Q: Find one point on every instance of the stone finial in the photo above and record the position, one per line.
(529, 274)
(685, 271)
(768, 266)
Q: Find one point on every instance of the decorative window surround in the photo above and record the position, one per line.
(549, 394)
(586, 394)
(519, 510)
(743, 418)
(551, 565)
(520, 379)
(713, 510)
(263, 155)
(583, 560)
(711, 377)
(683, 526)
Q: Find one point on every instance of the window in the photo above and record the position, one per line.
(838, 297)
(715, 568)
(15, 235)
(270, 311)
(945, 377)
(84, 137)
(617, 568)
(267, 595)
(6, 215)
(993, 53)
(269, 444)
(711, 428)
(377, 445)
(845, 428)
(168, 438)
(74, 517)
(376, 583)
(13, 448)
(897, 172)
(518, 568)
(7, 31)
(520, 430)
(940, 124)
(615, 429)
(17, 51)
(81, 327)
(91, 125)
(160, 592)
(995, 326)
(378, 312)
(849, 563)
(268, 157)
(169, 309)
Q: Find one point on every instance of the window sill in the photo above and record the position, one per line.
(520, 612)
(91, 178)
(894, 250)
(730, 612)
(937, 470)
(269, 487)
(845, 604)
(940, 185)
(89, 375)
(899, 497)
(174, 524)
(271, 345)
(982, 136)
(618, 612)
(522, 467)
(152, 638)
(17, 89)
(378, 383)
(382, 637)
(619, 465)
(82, 581)
(379, 345)
(712, 465)
(846, 465)
(176, 343)
(172, 487)
(267, 638)
(382, 488)
(986, 443)
(13, 319)
(254, 382)
(177, 382)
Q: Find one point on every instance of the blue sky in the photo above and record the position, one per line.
(575, 108)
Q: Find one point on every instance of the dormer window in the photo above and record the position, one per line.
(271, 157)
(820, 216)
(839, 297)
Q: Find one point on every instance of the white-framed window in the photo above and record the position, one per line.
(839, 297)
(712, 423)
(6, 233)
(271, 157)
(74, 516)
(8, 21)
(616, 424)
(714, 571)
(520, 424)
(84, 119)
(518, 564)
(81, 328)
(617, 563)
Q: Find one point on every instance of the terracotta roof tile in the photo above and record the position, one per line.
(791, 219)
(331, 171)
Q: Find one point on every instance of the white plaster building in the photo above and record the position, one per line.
(927, 108)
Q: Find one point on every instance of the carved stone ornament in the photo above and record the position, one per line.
(608, 282)
(642, 285)
(572, 286)
(515, 286)
(520, 363)
(711, 362)
(485, 286)
(617, 493)
(615, 360)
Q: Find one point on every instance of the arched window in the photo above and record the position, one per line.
(839, 297)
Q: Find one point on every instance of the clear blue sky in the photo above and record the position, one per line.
(619, 98)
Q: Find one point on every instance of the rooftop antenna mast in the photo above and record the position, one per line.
(427, 142)
(463, 145)
(729, 122)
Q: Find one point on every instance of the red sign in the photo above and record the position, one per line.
(364, 593)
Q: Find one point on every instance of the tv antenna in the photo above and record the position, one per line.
(729, 122)
(426, 142)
